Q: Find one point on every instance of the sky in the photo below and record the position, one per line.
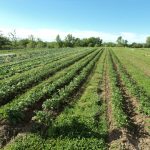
(106, 19)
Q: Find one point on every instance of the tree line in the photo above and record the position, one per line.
(12, 42)
(120, 42)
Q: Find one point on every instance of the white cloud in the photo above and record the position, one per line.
(133, 37)
(50, 34)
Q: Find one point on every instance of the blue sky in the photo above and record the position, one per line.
(107, 18)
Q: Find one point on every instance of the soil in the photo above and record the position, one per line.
(114, 134)
(136, 136)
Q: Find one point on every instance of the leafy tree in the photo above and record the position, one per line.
(125, 43)
(23, 43)
(90, 45)
(91, 42)
(32, 43)
(84, 42)
(52, 44)
(137, 45)
(78, 42)
(95, 41)
(69, 41)
(59, 41)
(121, 42)
(31, 38)
(148, 41)
(13, 37)
(109, 44)
(4, 42)
(40, 43)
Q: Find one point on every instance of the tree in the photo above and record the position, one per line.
(31, 38)
(69, 41)
(13, 37)
(77, 42)
(109, 44)
(137, 45)
(23, 43)
(4, 42)
(40, 43)
(52, 44)
(59, 41)
(125, 43)
(91, 42)
(148, 41)
(121, 42)
(32, 43)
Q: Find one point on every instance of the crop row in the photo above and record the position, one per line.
(23, 57)
(139, 69)
(13, 111)
(134, 88)
(57, 100)
(28, 55)
(77, 127)
(19, 83)
(9, 70)
(116, 96)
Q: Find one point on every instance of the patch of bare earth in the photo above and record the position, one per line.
(137, 132)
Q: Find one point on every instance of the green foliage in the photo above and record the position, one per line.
(57, 100)
(121, 42)
(43, 89)
(59, 41)
(66, 120)
(109, 44)
(13, 38)
(40, 43)
(4, 42)
(148, 41)
(34, 141)
(136, 45)
(69, 41)
(31, 42)
(117, 99)
(134, 88)
(23, 43)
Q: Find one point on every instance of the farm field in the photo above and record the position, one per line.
(75, 98)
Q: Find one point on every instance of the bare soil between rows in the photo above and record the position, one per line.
(135, 136)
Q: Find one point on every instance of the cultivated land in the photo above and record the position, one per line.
(74, 99)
